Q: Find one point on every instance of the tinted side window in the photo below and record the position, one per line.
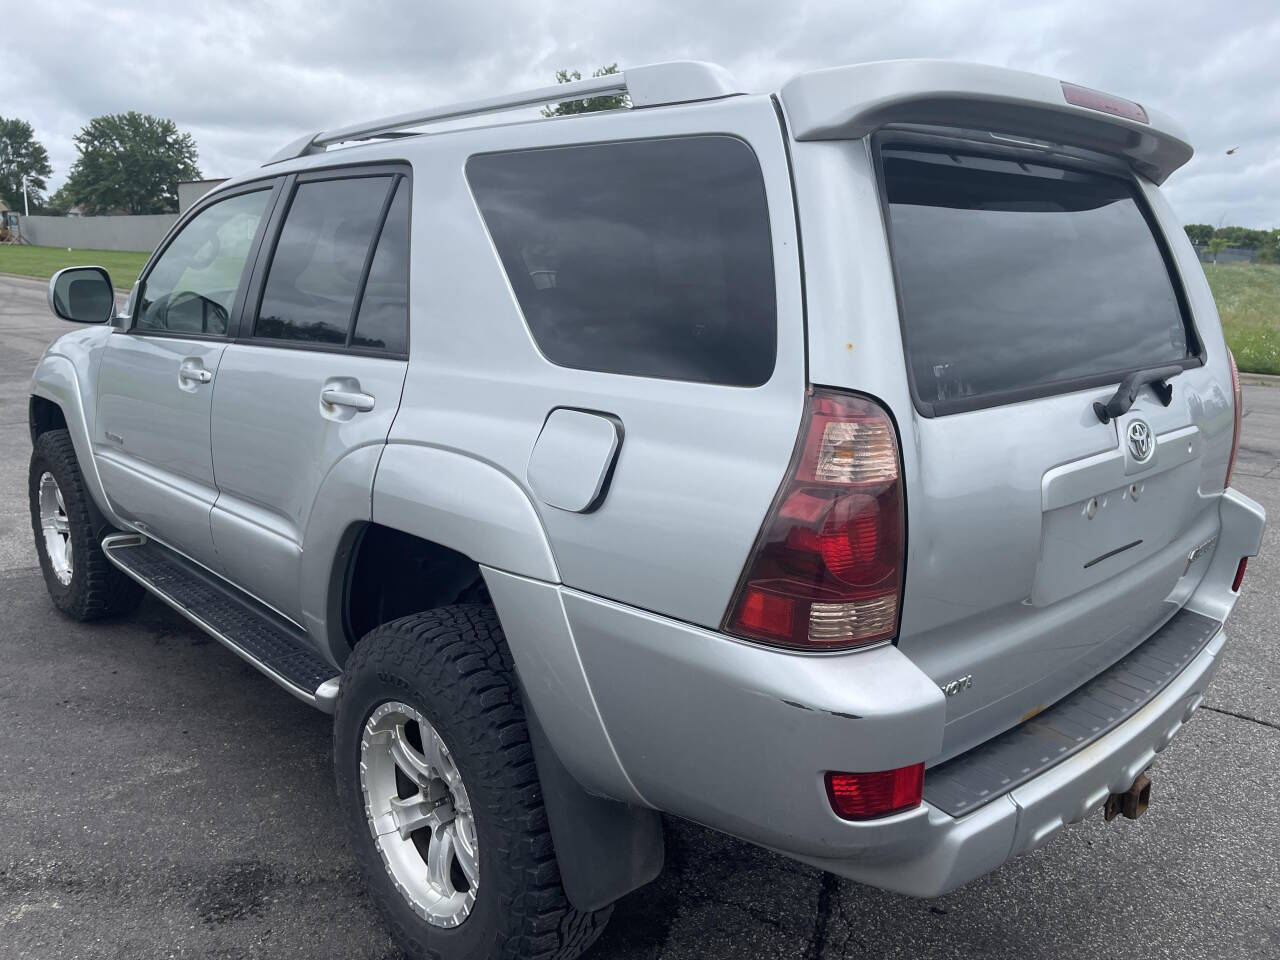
(1018, 277)
(383, 321)
(315, 270)
(192, 287)
(651, 258)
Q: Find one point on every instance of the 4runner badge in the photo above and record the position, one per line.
(957, 686)
(1141, 443)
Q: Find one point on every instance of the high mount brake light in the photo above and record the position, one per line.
(826, 570)
(1104, 102)
(1237, 398)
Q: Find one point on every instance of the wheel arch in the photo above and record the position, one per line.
(44, 415)
(465, 504)
(466, 526)
(57, 402)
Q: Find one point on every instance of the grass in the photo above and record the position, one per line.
(44, 262)
(1248, 297)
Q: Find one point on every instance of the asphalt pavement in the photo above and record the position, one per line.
(159, 798)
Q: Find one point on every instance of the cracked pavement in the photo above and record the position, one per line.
(159, 798)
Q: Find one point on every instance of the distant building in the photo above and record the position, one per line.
(189, 191)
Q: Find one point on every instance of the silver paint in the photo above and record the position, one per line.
(612, 615)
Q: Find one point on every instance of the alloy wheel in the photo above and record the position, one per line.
(419, 814)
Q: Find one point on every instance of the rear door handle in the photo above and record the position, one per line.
(193, 371)
(351, 399)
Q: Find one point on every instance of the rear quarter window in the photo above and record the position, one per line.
(1019, 279)
(650, 258)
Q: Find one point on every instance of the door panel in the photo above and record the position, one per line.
(153, 438)
(307, 386)
(275, 440)
(155, 387)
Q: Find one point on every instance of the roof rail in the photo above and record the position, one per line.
(653, 85)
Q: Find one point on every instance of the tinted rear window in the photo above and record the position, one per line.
(1019, 279)
(651, 258)
(383, 321)
(315, 270)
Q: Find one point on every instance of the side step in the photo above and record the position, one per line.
(263, 638)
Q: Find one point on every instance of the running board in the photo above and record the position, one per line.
(261, 637)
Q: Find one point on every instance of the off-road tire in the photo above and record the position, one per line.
(97, 588)
(453, 666)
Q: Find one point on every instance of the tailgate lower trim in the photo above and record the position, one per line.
(992, 769)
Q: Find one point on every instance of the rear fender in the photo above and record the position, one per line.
(608, 841)
(465, 504)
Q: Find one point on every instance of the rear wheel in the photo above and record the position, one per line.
(441, 797)
(81, 581)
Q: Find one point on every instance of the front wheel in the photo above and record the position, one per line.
(82, 582)
(439, 790)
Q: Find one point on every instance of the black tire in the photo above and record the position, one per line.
(97, 588)
(452, 665)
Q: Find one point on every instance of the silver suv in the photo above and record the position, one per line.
(845, 469)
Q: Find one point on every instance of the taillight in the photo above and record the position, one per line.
(826, 571)
(865, 796)
(1237, 398)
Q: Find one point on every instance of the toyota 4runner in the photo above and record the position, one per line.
(847, 470)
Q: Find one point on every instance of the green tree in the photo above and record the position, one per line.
(1199, 232)
(130, 163)
(58, 204)
(1216, 246)
(611, 101)
(1269, 249)
(22, 155)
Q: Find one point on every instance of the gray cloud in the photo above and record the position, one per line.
(245, 77)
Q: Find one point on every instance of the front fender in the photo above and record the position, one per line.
(57, 380)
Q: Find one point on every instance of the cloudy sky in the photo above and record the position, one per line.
(245, 77)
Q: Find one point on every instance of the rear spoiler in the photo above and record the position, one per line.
(846, 103)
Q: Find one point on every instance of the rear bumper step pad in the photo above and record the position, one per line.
(261, 637)
(992, 769)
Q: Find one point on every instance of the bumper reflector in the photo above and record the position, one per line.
(865, 796)
(1235, 584)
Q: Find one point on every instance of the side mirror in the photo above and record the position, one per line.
(82, 295)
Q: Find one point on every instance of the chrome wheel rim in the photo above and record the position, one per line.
(419, 814)
(56, 528)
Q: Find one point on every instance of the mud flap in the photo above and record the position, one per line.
(605, 849)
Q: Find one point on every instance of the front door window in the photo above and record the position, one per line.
(192, 287)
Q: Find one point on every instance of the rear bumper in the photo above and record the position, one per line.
(707, 732)
(950, 852)
(738, 737)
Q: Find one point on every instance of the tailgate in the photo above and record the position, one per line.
(1018, 280)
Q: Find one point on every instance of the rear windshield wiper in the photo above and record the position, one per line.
(1119, 404)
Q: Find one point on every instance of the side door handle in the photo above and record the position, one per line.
(193, 371)
(351, 399)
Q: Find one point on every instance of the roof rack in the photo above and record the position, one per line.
(653, 85)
